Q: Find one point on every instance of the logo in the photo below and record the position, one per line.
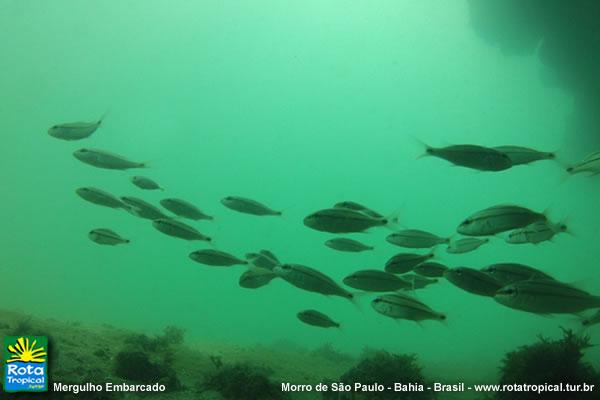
(26, 364)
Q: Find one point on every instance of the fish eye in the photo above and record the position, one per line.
(466, 222)
(509, 291)
(54, 127)
(377, 300)
(458, 272)
(83, 151)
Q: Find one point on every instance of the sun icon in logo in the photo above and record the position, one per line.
(25, 352)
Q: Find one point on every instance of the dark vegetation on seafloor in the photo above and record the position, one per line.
(242, 381)
(566, 37)
(386, 369)
(550, 361)
(149, 360)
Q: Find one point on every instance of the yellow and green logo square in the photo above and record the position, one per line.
(26, 364)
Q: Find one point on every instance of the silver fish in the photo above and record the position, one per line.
(74, 130)
(316, 318)
(472, 156)
(256, 278)
(178, 229)
(142, 208)
(343, 220)
(347, 245)
(184, 209)
(473, 281)
(465, 245)
(247, 206)
(145, 183)
(589, 164)
(352, 205)
(263, 259)
(535, 233)
(403, 306)
(519, 155)
(100, 197)
(106, 160)
(106, 237)
(430, 269)
(498, 219)
(373, 280)
(310, 279)
(405, 262)
(544, 296)
(508, 273)
(415, 238)
(216, 258)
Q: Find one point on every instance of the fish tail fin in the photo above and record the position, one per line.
(212, 243)
(393, 220)
(565, 175)
(565, 226)
(355, 297)
(432, 253)
(426, 150)
(547, 211)
(567, 167)
(443, 318)
(557, 157)
(102, 119)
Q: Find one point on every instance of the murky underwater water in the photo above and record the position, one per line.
(298, 105)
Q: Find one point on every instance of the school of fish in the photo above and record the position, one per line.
(517, 286)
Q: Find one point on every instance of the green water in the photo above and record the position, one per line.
(298, 105)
